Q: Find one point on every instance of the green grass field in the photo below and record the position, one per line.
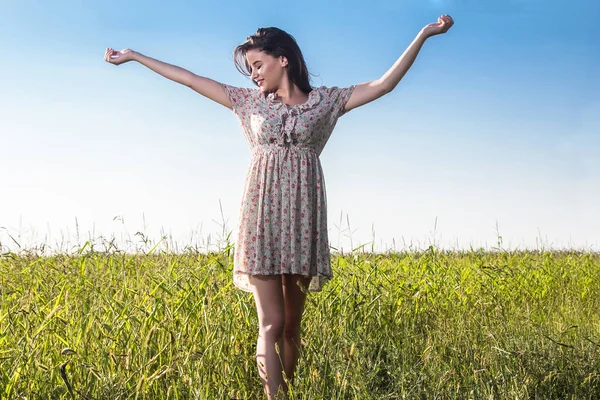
(422, 324)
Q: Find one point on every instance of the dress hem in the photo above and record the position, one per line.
(316, 284)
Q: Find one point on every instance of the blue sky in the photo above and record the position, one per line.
(495, 127)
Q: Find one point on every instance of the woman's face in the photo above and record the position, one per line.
(267, 71)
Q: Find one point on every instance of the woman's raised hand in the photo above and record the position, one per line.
(118, 57)
(444, 23)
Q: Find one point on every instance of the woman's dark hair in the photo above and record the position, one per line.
(276, 43)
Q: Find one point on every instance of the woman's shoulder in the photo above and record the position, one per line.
(333, 91)
(241, 94)
(240, 89)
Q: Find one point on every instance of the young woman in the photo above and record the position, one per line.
(282, 249)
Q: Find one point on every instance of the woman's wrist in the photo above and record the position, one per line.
(423, 35)
(135, 56)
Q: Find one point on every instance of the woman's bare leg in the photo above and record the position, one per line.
(294, 299)
(268, 296)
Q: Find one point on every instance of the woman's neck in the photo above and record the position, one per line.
(291, 94)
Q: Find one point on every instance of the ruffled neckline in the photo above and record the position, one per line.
(275, 102)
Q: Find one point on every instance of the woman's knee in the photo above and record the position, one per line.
(291, 329)
(272, 326)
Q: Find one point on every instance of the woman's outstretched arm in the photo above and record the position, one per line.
(205, 86)
(366, 92)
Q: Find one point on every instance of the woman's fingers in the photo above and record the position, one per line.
(446, 22)
(108, 54)
(112, 56)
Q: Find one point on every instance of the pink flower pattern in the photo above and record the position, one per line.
(282, 227)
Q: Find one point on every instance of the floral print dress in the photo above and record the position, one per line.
(282, 227)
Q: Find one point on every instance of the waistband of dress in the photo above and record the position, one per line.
(279, 149)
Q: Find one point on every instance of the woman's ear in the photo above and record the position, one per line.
(284, 61)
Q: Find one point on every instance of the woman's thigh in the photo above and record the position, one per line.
(268, 296)
(295, 289)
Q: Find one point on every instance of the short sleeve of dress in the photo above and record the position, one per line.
(338, 98)
(240, 98)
